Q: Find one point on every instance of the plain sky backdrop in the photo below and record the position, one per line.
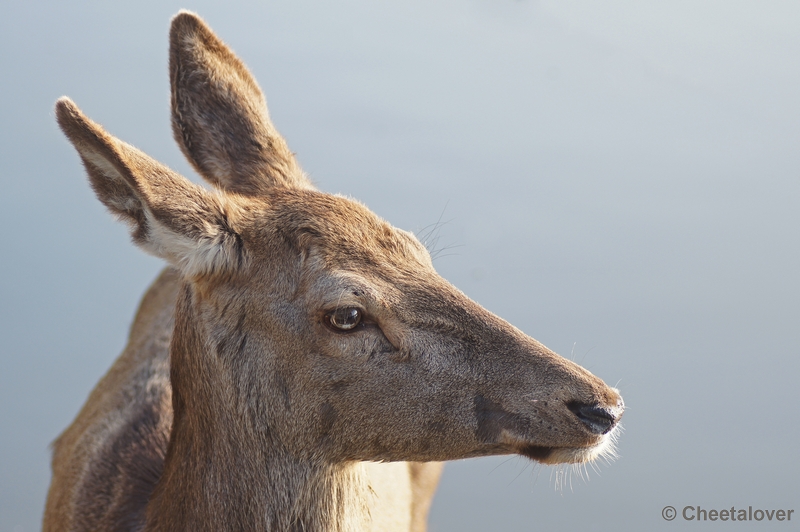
(621, 180)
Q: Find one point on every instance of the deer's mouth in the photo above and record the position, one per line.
(590, 435)
(538, 453)
(605, 448)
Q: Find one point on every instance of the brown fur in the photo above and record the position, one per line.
(269, 418)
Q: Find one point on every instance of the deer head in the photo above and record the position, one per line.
(307, 325)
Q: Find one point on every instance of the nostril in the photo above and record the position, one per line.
(598, 419)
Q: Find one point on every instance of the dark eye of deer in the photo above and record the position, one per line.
(344, 319)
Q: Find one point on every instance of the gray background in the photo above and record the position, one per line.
(619, 179)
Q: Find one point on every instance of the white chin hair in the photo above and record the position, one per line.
(605, 449)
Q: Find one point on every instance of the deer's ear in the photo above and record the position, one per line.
(219, 115)
(169, 216)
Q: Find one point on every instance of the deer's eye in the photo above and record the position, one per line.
(344, 319)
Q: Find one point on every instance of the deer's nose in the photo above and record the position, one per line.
(598, 419)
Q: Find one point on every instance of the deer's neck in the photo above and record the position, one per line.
(232, 488)
(224, 472)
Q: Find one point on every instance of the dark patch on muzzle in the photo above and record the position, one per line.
(493, 419)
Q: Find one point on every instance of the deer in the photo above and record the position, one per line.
(299, 365)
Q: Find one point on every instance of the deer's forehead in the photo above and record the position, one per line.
(339, 230)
